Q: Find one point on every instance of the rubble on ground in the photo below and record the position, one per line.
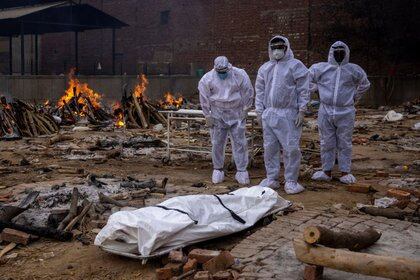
(116, 169)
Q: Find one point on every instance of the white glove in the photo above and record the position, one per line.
(209, 121)
(300, 118)
(259, 120)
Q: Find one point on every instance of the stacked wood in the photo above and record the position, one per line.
(20, 119)
(80, 106)
(138, 112)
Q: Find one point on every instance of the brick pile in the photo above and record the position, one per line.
(199, 264)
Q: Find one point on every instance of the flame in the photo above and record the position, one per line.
(80, 92)
(139, 90)
(47, 103)
(171, 101)
(119, 122)
(119, 114)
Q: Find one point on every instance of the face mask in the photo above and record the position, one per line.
(339, 55)
(222, 76)
(278, 54)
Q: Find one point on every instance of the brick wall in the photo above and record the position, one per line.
(190, 33)
(196, 31)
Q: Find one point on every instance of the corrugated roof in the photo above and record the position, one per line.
(55, 18)
(23, 11)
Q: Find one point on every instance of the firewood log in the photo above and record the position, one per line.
(139, 111)
(39, 231)
(131, 118)
(60, 138)
(155, 112)
(73, 209)
(39, 124)
(32, 124)
(8, 212)
(106, 199)
(78, 218)
(390, 213)
(362, 263)
(72, 116)
(341, 239)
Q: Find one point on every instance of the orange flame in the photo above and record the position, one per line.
(79, 91)
(139, 90)
(47, 103)
(119, 122)
(119, 114)
(171, 101)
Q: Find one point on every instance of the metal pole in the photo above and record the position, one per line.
(113, 51)
(22, 50)
(36, 54)
(168, 137)
(76, 51)
(11, 55)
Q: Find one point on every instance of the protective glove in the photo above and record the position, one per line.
(300, 118)
(259, 120)
(209, 121)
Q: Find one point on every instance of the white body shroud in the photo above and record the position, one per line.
(151, 231)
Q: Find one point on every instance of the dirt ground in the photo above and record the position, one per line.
(398, 154)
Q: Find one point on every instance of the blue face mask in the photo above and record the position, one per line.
(222, 76)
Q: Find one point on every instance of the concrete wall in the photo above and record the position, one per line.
(41, 88)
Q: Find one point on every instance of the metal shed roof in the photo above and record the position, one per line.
(23, 11)
(55, 17)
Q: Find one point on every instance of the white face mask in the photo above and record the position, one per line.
(278, 54)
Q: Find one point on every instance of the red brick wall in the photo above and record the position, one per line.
(197, 31)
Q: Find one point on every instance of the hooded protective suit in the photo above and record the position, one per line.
(339, 86)
(226, 102)
(282, 91)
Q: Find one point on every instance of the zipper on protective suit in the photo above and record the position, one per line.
(273, 83)
(337, 81)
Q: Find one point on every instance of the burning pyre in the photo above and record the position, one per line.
(170, 102)
(135, 111)
(80, 101)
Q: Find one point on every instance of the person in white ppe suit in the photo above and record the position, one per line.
(226, 95)
(340, 85)
(282, 94)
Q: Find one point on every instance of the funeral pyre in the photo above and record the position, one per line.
(136, 111)
(19, 119)
(80, 101)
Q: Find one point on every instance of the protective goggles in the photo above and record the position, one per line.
(278, 46)
(223, 70)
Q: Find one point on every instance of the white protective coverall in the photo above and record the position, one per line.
(282, 91)
(227, 102)
(339, 85)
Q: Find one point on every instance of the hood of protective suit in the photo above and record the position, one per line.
(222, 62)
(331, 58)
(288, 55)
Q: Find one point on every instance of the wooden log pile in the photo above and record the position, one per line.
(20, 119)
(137, 111)
(80, 106)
